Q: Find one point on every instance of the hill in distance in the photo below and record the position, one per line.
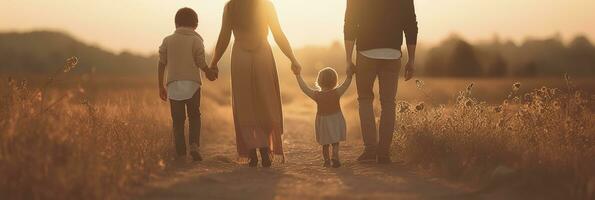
(42, 52)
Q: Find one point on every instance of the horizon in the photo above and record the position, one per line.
(473, 21)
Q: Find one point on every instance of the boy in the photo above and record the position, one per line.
(183, 54)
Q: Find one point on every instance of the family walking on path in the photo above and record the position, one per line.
(374, 28)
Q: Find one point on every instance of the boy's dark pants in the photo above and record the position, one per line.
(178, 114)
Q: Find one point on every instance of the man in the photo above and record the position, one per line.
(377, 26)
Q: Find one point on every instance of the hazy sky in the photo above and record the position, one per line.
(139, 25)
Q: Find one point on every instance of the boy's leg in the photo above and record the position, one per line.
(193, 109)
(388, 78)
(178, 116)
(365, 77)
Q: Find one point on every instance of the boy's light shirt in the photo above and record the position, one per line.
(382, 53)
(182, 90)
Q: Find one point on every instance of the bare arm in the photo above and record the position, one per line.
(279, 36)
(224, 38)
(307, 90)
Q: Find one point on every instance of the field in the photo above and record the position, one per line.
(104, 138)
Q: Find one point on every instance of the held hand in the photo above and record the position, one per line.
(212, 72)
(350, 69)
(163, 93)
(296, 68)
(409, 71)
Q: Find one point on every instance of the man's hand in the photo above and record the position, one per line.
(296, 68)
(409, 70)
(163, 93)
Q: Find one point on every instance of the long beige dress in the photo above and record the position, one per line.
(256, 100)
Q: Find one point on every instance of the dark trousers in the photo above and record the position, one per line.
(179, 109)
(387, 73)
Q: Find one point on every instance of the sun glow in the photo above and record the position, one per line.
(139, 25)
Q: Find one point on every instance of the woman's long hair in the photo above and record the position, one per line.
(247, 15)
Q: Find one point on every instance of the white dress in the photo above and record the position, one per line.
(330, 128)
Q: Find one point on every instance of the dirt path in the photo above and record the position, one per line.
(301, 177)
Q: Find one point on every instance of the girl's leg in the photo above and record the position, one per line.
(336, 162)
(265, 156)
(253, 159)
(326, 156)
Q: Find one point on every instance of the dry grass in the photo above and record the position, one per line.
(69, 143)
(73, 142)
(541, 139)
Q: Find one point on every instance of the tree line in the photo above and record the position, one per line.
(42, 51)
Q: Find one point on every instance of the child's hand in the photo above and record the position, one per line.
(163, 93)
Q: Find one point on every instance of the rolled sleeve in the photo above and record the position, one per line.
(410, 28)
(351, 26)
(163, 52)
(199, 54)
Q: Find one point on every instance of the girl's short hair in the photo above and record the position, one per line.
(186, 17)
(327, 78)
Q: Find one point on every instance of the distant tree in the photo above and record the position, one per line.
(453, 57)
(530, 69)
(498, 67)
(581, 55)
(463, 61)
(435, 63)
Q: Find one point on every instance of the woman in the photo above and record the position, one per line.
(256, 98)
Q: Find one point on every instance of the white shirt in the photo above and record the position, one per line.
(182, 90)
(382, 53)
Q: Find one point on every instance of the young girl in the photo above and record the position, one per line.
(330, 123)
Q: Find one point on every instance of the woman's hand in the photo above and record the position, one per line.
(213, 72)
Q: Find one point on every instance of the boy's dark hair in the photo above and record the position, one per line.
(186, 17)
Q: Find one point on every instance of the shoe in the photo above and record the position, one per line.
(196, 156)
(253, 162)
(384, 160)
(252, 159)
(266, 160)
(336, 163)
(194, 153)
(327, 163)
(367, 156)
